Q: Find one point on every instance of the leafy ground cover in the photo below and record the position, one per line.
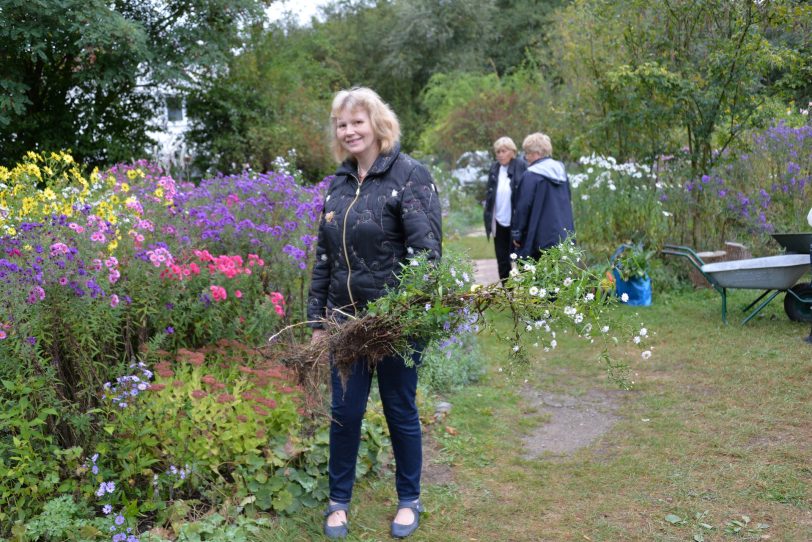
(713, 443)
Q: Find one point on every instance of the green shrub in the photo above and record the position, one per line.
(452, 364)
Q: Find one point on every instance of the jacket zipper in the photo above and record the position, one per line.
(344, 239)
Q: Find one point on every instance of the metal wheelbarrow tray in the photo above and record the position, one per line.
(770, 273)
(773, 274)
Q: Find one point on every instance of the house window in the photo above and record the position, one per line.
(174, 108)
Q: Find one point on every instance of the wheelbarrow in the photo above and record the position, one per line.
(773, 274)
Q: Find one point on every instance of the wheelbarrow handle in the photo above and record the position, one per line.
(685, 252)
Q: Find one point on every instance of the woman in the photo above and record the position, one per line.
(380, 209)
(500, 202)
(543, 217)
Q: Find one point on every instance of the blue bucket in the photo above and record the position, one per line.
(638, 289)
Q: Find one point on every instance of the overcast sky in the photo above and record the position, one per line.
(302, 9)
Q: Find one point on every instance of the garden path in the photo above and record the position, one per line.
(574, 421)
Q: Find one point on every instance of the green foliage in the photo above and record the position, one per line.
(470, 111)
(452, 364)
(216, 527)
(64, 519)
(616, 203)
(30, 459)
(637, 71)
(74, 71)
(274, 98)
(634, 262)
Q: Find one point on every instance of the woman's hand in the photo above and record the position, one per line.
(318, 336)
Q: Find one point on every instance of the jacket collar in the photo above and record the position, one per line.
(381, 165)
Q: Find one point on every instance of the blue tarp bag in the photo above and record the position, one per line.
(639, 290)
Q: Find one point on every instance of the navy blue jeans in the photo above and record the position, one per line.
(397, 385)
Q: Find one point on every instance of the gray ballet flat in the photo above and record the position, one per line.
(402, 531)
(339, 531)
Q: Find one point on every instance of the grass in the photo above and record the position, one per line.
(714, 443)
(477, 247)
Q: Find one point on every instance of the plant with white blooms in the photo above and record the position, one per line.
(546, 297)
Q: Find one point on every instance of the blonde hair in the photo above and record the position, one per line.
(504, 142)
(538, 143)
(384, 122)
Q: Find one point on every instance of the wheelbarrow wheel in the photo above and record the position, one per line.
(797, 310)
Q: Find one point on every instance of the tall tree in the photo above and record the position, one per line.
(81, 74)
(646, 76)
(273, 98)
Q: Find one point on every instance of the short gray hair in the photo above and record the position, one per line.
(504, 142)
(538, 143)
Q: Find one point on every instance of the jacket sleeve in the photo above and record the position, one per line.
(319, 280)
(421, 214)
(524, 206)
(490, 198)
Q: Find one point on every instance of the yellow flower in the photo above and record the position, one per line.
(112, 245)
(132, 174)
(11, 231)
(28, 248)
(124, 187)
(49, 194)
(111, 181)
(28, 205)
(4, 174)
(114, 200)
(159, 192)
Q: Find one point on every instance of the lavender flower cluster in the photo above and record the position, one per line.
(128, 387)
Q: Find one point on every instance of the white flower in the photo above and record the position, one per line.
(666, 213)
(513, 256)
(579, 318)
(514, 272)
(409, 250)
(646, 354)
(535, 345)
(394, 193)
(526, 267)
(590, 296)
(605, 329)
(584, 197)
(428, 306)
(515, 349)
(542, 293)
(529, 328)
(567, 281)
(643, 332)
(553, 343)
(636, 339)
(415, 263)
(569, 311)
(624, 297)
(534, 291)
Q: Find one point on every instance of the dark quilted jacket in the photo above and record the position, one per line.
(368, 229)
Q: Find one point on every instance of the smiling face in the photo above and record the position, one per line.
(354, 132)
(504, 156)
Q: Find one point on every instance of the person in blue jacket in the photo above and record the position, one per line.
(543, 216)
(500, 201)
